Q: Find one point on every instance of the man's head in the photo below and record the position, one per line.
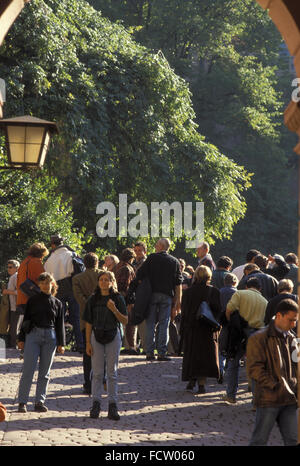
(140, 249)
(127, 255)
(202, 249)
(291, 258)
(224, 263)
(182, 264)
(12, 266)
(250, 268)
(286, 315)
(253, 282)
(56, 240)
(163, 244)
(261, 261)
(91, 260)
(251, 254)
(285, 286)
(231, 279)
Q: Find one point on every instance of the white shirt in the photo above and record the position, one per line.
(12, 286)
(239, 271)
(60, 264)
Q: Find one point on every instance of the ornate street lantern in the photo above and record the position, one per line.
(27, 141)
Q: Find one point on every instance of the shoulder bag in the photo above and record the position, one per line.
(29, 287)
(204, 313)
(104, 336)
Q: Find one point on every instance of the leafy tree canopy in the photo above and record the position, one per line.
(126, 121)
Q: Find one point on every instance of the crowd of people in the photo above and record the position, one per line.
(152, 305)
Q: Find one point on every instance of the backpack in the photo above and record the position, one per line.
(78, 264)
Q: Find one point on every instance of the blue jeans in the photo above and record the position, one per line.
(160, 311)
(74, 318)
(39, 343)
(286, 418)
(233, 368)
(105, 358)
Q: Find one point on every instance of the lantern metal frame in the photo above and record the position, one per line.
(26, 121)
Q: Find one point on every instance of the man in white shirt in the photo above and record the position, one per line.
(11, 291)
(60, 264)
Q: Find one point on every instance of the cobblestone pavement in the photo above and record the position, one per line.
(155, 409)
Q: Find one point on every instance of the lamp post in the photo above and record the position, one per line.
(27, 140)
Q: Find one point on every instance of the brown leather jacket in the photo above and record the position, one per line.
(272, 363)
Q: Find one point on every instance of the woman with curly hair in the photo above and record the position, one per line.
(42, 332)
(104, 312)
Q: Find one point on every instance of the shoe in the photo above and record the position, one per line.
(113, 412)
(163, 358)
(201, 390)
(228, 399)
(40, 407)
(124, 351)
(150, 357)
(132, 352)
(220, 379)
(95, 410)
(190, 385)
(22, 408)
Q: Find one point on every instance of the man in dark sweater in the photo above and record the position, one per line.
(163, 272)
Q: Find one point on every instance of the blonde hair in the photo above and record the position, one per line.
(202, 274)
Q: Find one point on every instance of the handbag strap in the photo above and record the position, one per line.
(27, 267)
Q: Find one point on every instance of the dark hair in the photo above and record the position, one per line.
(90, 260)
(127, 254)
(287, 305)
(141, 244)
(224, 262)
(45, 276)
(261, 261)
(253, 282)
(252, 253)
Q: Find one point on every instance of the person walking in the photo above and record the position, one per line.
(41, 333)
(31, 267)
(272, 355)
(84, 284)
(11, 291)
(163, 272)
(199, 341)
(60, 264)
(105, 310)
(250, 307)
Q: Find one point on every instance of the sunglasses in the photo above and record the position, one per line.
(43, 279)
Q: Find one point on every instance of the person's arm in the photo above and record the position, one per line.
(178, 297)
(232, 305)
(88, 333)
(123, 318)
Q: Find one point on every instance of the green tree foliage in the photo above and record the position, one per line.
(126, 120)
(230, 53)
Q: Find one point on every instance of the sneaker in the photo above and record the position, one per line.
(113, 412)
(201, 390)
(95, 410)
(40, 407)
(228, 399)
(163, 358)
(22, 408)
(150, 357)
